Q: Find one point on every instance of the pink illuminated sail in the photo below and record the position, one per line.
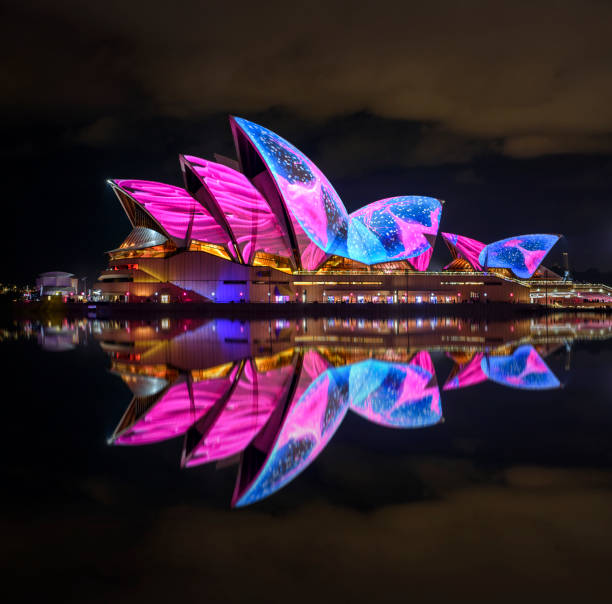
(249, 217)
(464, 247)
(421, 262)
(312, 211)
(181, 216)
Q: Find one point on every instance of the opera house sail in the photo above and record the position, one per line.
(270, 227)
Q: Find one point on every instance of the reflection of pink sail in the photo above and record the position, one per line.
(423, 360)
(246, 211)
(247, 409)
(171, 416)
(464, 247)
(466, 374)
(316, 409)
(396, 394)
(312, 367)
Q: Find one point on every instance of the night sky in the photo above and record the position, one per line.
(504, 110)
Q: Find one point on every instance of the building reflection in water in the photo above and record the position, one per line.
(523, 368)
(269, 395)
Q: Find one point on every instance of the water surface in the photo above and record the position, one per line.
(315, 459)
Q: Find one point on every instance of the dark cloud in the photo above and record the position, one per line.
(534, 74)
(502, 109)
(99, 132)
(534, 145)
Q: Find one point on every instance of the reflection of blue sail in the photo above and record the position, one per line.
(396, 395)
(524, 369)
(365, 379)
(402, 395)
(309, 424)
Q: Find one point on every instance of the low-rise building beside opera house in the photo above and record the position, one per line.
(269, 227)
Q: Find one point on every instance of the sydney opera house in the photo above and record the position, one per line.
(269, 227)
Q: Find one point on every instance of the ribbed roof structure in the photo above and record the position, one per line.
(279, 203)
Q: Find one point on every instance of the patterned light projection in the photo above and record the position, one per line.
(236, 407)
(396, 395)
(523, 369)
(464, 247)
(310, 423)
(248, 408)
(309, 197)
(466, 374)
(397, 228)
(522, 254)
(169, 417)
(288, 209)
(279, 412)
(391, 394)
(252, 222)
(181, 216)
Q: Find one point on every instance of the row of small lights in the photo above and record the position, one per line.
(351, 294)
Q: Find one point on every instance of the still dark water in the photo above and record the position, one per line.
(312, 460)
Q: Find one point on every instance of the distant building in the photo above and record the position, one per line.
(57, 283)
